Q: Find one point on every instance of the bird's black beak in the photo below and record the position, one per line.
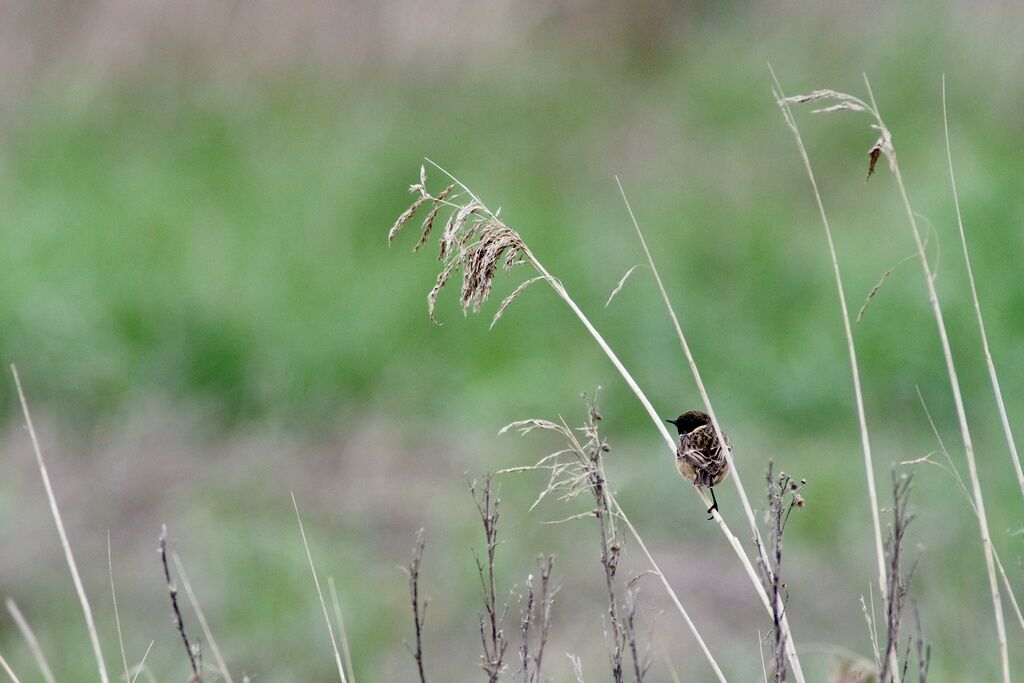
(671, 422)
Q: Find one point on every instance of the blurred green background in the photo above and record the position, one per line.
(195, 286)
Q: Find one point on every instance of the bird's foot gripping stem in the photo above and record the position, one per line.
(714, 504)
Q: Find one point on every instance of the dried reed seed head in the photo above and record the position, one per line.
(473, 240)
(405, 216)
(428, 222)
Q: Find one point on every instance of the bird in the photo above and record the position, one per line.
(700, 456)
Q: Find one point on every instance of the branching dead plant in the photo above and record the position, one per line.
(492, 621)
(784, 496)
(419, 605)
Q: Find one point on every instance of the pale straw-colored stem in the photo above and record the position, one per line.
(68, 555)
(117, 616)
(559, 289)
(789, 644)
(851, 349)
(8, 670)
(961, 414)
(33, 642)
(977, 306)
(320, 594)
(221, 665)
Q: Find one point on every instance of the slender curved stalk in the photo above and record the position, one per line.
(977, 306)
(8, 670)
(320, 594)
(790, 646)
(90, 624)
(954, 381)
(854, 368)
(33, 642)
(645, 402)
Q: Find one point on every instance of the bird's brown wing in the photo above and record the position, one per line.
(702, 450)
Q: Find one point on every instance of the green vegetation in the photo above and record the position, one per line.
(216, 244)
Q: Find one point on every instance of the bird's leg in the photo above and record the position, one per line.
(714, 502)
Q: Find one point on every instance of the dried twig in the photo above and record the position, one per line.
(899, 584)
(492, 634)
(784, 495)
(179, 624)
(577, 469)
(641, 660)
(419, 607)
(537, 613)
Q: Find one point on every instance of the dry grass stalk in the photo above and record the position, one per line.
(207, 633)
(858, 394)
(994, 378)
(141, 666)
(117, 616)
(90, 624)
(641, 660)
(10, 672)
(320, 594)
(336, 604)
(885, 147)
(670, 440)
(30, 638)
(419, 607)
(537, 614)
(474, 204)
(577, 469)
(492, 624)
(951, 469)
(179, 623)
(784, 495)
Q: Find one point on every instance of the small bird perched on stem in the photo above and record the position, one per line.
(699, 455)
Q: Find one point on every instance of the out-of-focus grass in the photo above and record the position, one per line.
(219, 242)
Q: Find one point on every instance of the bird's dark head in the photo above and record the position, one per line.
(690, 420)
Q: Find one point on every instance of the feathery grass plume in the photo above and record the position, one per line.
(492, 626)
(884, 146)
(784, 495)
(577, 469)
(474, 240)
(419, 606)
